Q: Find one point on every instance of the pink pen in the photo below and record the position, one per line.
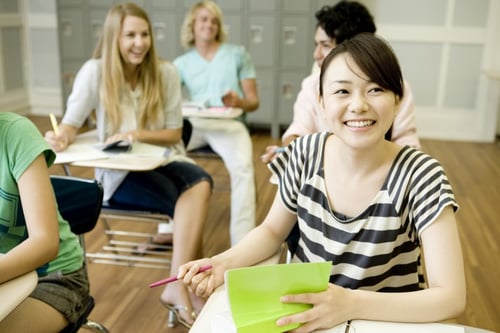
(174, 278)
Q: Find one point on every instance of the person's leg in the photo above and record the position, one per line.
(197, 138)
(190, 215)
(58, 299)
(181, 190)
(33, 315)
(231, 140)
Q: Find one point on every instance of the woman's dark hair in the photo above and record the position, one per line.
(375, 58)
(345, 20)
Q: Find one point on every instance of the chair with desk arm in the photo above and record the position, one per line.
(79, 202)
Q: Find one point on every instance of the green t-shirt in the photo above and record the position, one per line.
(20, 144)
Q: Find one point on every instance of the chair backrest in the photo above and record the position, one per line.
(79, 201)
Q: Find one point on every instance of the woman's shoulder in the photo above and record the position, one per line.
(415, 161)
(233, 48)
(91, 67)
(167, 66)
(313, 138)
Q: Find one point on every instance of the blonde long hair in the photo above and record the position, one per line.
(187, 34)
(112, 74)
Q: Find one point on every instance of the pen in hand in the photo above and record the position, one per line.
(54, 124)
(174, 278)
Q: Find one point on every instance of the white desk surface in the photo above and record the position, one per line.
(218, 112)
(218, 304)
(13, 292)
(84, 152)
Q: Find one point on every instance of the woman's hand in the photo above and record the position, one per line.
(204, 283)
(231, 99)
(270, 154)
(130, 136)
(57, 142)
(330, 308)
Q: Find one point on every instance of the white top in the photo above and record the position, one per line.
(85, 98)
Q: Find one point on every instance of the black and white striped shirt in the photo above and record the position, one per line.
(379, 249)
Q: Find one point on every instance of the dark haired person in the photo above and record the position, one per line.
(334, 25)
(377, 238)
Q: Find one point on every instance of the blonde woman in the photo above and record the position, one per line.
(218, 74)
(137, 97)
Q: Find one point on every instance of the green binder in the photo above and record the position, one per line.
(254, 293)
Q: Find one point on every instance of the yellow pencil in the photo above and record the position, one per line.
(54, 124)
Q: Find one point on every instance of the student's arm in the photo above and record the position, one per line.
(258, 245)
(163, 137)
(304, 117)
(39, 208)
(250, 102)
(305, 111)
(66, 136)
(404, 129)
(444, 298)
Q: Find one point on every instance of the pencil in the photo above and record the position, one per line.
(174, 278)
(54, 124)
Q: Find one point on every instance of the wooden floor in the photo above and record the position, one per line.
(124, 303)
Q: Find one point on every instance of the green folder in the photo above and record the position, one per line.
(254, 293)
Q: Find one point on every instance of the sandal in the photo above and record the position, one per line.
(174, 315)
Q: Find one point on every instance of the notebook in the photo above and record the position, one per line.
(254, 293)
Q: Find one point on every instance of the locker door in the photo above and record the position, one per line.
(166, 32)
(71, 34)
(295, 42)
(266, 89)
(289, 86)
(261, 39)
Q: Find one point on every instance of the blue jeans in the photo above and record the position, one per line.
(158, 190)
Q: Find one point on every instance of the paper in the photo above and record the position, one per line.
(192, 109)
(254, 293)
(79, 152)
(370, 326)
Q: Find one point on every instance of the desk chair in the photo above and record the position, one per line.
(79, 201)
(204, 152)
(125, 234)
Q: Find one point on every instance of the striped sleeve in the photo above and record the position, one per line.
(296, 164)
(429, 190)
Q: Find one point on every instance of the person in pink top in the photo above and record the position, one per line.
(336, 24)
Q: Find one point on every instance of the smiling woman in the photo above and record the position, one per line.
(376, 238)
(137, 97)
(134, 44)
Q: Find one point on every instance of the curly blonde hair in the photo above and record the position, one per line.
(112, 74)
(187, 34)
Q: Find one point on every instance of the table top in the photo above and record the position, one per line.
(193, 110)
(13, 292)
(85, 152)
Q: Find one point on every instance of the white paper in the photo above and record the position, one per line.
(79, 152)
(369, 326)
(222, 322)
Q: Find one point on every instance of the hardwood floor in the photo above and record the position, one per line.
(124, 303)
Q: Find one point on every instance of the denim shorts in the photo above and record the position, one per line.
(67, 293)
(158, 190)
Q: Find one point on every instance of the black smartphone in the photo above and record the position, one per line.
(120, 146)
